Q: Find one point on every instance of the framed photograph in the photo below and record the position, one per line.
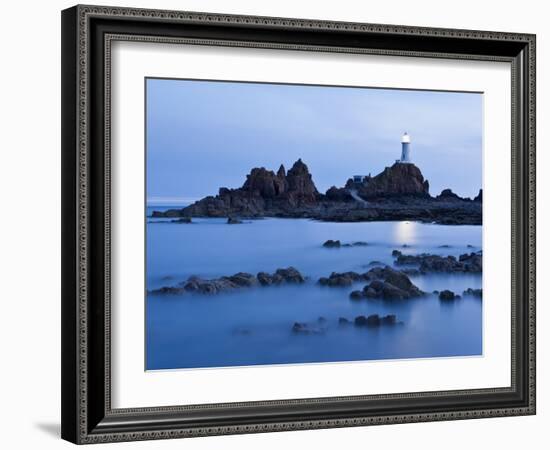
(278, 224)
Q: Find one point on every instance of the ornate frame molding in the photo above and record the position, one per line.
(78, 425)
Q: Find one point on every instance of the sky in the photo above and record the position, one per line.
(202, 135)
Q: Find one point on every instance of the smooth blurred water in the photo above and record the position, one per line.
(253, 326)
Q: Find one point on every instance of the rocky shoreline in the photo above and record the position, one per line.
(399, 192)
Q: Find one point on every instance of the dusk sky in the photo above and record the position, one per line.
(203, 135)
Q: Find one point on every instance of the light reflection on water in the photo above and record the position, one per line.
(254, 326)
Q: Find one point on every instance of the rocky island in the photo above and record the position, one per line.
(399, 192)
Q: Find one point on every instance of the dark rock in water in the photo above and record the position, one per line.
(341, 279)
(322, 320)
(233, 221)
(305, 328)
(447, 295)
(182, 220)
(376, 263)
(387, 284)
(436, 292)
(474, 292)
(239, 280)
(396, 253)
(445, 246)
(343, 321)
(288, 275)
(469, 262)
(337, 244)
(266, 279)
(243, 279)
(374, 320)
(390, 319)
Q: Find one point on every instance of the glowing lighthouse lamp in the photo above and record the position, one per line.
(405, 149)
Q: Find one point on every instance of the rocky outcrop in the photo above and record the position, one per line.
(264, 192)
(197, 285)
(332, 244)
(289, 275)
(400, 192)
(467, 262)
(397, 180)
(344, 279)
(473, 292)
(447, 295)
(335, 194)
(387, 284)
(448, 194)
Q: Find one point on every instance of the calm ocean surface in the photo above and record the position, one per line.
(253, 326)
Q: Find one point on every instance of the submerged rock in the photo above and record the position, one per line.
(374, 320)
(468, 262)
(332, 244)
(474, 292)
(233, 221)
(447, 295)
(182, 220)
(305, 328)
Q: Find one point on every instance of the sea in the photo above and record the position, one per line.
(254, 326)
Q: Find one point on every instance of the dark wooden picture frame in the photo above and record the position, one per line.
(87, 415)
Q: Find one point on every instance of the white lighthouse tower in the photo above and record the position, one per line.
(405, 148)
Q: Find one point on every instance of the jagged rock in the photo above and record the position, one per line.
(399, 179)
(341, 279)
(239, 280)
(388, 284)
(288, 275)
(396, 253)
(474, 292)
(479, 196)
(233, 221)
(398, 193)
(332, 244)
(447, 295)
(448, 194)
(342, 321)
(335, 194)
(468, 262)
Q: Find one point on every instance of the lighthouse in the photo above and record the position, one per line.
(405, 148)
